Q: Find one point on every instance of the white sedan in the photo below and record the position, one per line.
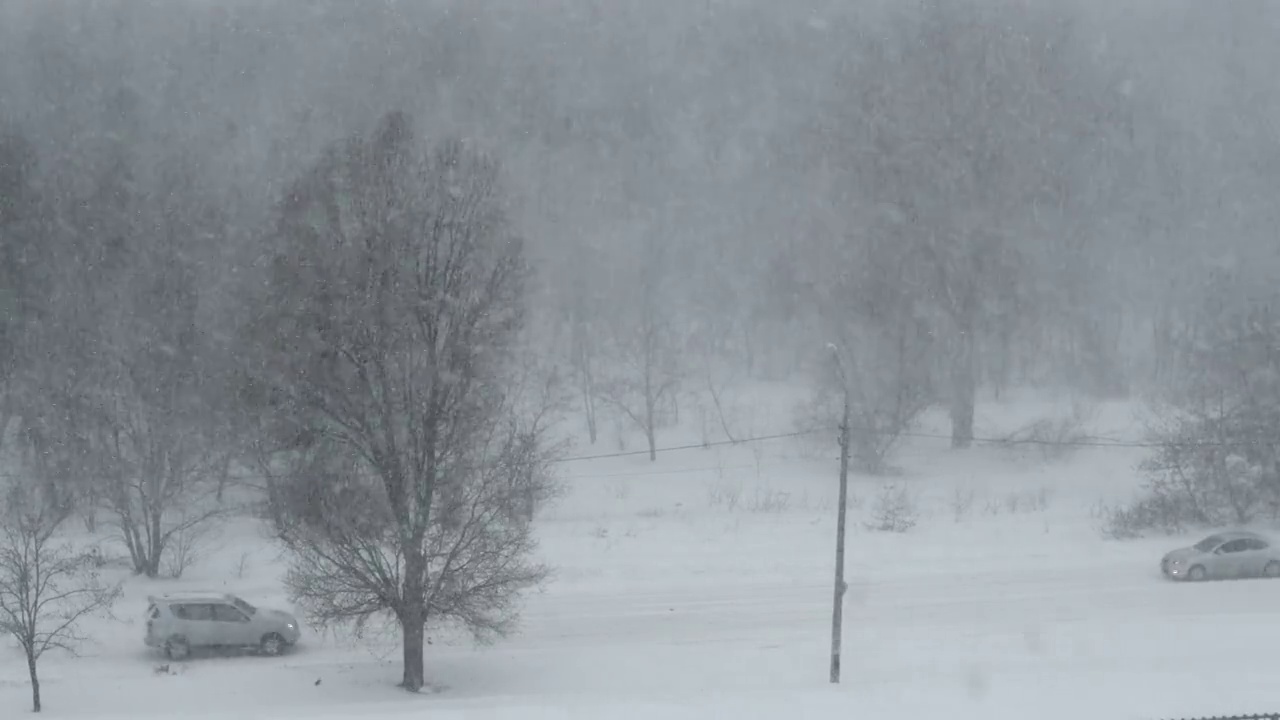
(1224, 556)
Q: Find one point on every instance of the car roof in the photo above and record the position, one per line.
(1238, 535)
(191, 597)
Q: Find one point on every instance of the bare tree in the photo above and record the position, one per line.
(867, 291)
(159, 481)
(42, 324)
(21, 286)
(889, 386)
(118, 408)
(1217, 457)
(967, 134)
(645, 372)
(581, 311)
(153, 416)
(394, 299)
(46, 587)
(716, 387)
(584, 361)
(474, 552)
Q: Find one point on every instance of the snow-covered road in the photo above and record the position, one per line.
(984, 628)
(1010, 600)
(1024, 625)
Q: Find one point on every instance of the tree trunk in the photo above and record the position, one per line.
(224, 476)
(964, 389)
(35, 681)
(650, 412)
(411, 622)
(413, 617)
(589, 408)
(650, 434)
(1005, 372)
(155, 544)
(132, 540)
(715, 398)
(582, 360)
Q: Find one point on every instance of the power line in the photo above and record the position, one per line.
(692, 446)
(1007, 441)
(1082, 442)
(679, 471)
(1043, 442)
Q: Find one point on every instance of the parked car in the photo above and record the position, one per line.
(1224, 556)
(179, 622)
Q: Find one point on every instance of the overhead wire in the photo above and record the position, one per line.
(1083, 442)
(1076, 442)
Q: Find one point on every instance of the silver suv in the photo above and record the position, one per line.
(179, 622)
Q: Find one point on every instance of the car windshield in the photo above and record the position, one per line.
(1209, 543)
(245, 607)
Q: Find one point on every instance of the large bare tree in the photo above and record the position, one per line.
(145, 423)
(395, 295)
(970, 131)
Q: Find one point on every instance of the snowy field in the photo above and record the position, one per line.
(699, 586)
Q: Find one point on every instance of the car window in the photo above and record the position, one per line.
(226, 613)
(1257, 544)
(153, 612)
(1235, 546)
(194, 612)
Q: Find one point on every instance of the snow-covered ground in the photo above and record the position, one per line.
(699, 586)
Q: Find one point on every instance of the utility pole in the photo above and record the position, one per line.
(837, 608)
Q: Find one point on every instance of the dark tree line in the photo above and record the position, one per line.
(1047, 180)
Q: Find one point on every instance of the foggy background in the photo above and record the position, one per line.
(267, 260)
(1047, 192)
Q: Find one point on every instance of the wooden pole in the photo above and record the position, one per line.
(837, 609)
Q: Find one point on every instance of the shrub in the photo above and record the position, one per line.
(894, 510)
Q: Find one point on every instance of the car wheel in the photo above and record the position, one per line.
(1272, 570)
(1196, 573)
(271, 645)
(177, 648)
